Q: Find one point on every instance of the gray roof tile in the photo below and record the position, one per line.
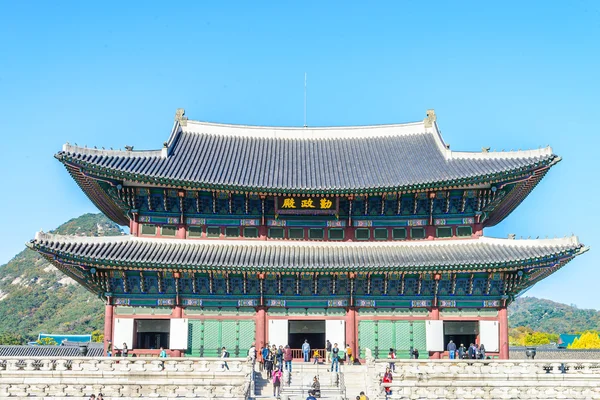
(263, 255)
(347, 159)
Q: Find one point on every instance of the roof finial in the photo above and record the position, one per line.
(180, 117)
(431, 118)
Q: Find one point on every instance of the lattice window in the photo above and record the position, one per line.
(377, 284)
(254, 206)
(393, 288)
(455, 204)
(496, 287)
(202, 285)
(186, 286)
(142, 203)
(270, 286)
(269, 206)
(324, 286)
(173, 204)
(444, 287)
(169, 285)
(427, 287)
(439, 205)
(407, 205)
(375, 205)
(239, 204)
(470, 205)
(222, 206)
(358, 206)
(117, 285)
(151, 284)
(423, 206)
(157, 202)
(391, 206)
(342, 285)
(133, 284)
(189, 205)
(360, 285)
(462, 287)
(479, 286)
(307, 286)
(236, 285)
(344, 206)
(252, 285)
(288, 285)
(411, 286)
(219, 285)
(206, 202)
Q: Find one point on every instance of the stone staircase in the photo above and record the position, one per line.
(295, 386)
(356, 379)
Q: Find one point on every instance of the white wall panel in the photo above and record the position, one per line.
(434, 333)
(489, 335)
(123, 332)
(278, 332)
(335, 332)
(178, 337)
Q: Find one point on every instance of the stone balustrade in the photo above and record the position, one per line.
(488, 379)
(124, 378)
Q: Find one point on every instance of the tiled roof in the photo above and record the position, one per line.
(49, 351)
(272, 255)
(296, 160)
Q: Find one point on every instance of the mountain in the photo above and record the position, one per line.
(548, 316)
(36, 297)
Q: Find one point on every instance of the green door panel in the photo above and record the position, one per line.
(419, 337)
(386, 338)
(212, 338)
(367, 337)
(246, 336)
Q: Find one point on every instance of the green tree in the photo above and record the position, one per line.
(47, 341)
(8, 338)
(97, 336)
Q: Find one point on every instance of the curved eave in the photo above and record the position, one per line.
(98, 196)
(557, 257)
(109, 173)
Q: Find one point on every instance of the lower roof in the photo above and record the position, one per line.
(236, 255)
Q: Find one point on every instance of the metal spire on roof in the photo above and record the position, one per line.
(305, 99)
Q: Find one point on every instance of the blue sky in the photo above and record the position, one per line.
(508, 75)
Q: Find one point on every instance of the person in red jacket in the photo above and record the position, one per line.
(287, 357)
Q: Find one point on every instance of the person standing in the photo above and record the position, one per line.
(328, 352)
(416, 354)
(263, 354)
(451, 350)
(392, 357)
(277, 376)
(124, 350)
(461, 351)
(287, 357)
(316, 356)
(472, 351)
(335, 357)
(252, 354)
(482, 351)
(109, 348)
(349, 358)
(280, 356)
(224, 357)
(306, 351)
(387, 378)
(269, 362)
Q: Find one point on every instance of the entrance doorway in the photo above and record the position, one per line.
(152, 333)
(312, 331)
(460, 332)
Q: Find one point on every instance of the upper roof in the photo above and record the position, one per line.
(331, 160)
(440, 255)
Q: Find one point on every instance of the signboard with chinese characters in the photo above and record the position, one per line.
(306, 205)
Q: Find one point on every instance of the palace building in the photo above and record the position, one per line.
(368, 236)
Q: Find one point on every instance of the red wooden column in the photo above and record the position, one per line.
(351, 331)
(260, 322)
(108, 323)
(434, 314)
(503, 322)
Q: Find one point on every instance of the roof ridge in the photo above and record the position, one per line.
(69, 148)
(531, 153)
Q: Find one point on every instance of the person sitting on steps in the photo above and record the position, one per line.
(315, 388)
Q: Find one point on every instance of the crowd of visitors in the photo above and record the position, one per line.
(474, 352)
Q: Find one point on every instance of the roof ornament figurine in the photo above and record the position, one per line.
(485, 149)
(180, 117)
(431, 118)
(128, 148)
